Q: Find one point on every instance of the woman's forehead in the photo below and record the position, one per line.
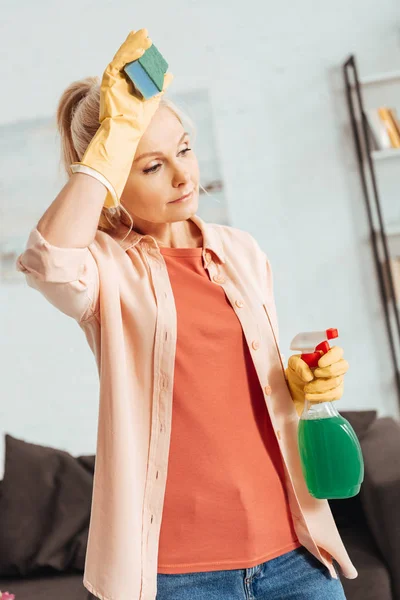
(164, 129)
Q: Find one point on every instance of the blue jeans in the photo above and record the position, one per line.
(296, 575)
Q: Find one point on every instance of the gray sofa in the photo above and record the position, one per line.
(369, 523)
(43, 544)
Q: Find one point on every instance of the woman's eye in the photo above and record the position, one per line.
(154, 169)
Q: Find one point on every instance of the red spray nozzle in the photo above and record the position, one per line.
(312, 358)
(310, 345)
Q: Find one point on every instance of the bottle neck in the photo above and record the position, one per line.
(319, 410)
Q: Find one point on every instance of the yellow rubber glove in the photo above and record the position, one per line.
(325, 383)
(123, 119)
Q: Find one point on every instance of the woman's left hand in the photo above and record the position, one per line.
(325, 384)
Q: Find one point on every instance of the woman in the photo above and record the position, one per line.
(205, 499)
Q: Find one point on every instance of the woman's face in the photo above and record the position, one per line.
(170, 172)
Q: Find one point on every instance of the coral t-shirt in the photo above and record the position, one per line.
(225, 504)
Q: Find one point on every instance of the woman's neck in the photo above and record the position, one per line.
(188, 235)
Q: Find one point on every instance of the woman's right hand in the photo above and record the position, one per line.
(123, 119)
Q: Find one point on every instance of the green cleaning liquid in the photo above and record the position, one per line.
(330, 453)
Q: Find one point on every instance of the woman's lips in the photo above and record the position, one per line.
(183, 199)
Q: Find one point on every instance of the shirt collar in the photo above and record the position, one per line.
(211, 239)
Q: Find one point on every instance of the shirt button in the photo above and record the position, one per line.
(239, 303)
(255, 345)
(268, 390)
(219, 279)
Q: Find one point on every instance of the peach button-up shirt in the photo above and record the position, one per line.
(118, 291)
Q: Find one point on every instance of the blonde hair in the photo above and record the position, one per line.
(77, 119)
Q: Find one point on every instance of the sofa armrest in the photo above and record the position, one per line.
(380, 492)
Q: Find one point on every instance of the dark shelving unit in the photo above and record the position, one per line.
(369, 184)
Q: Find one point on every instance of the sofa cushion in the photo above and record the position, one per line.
(45, 503)
(380, 491)
(55, 586)
(373, 581)
(360, 420)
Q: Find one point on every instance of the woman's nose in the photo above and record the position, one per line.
(181, 175)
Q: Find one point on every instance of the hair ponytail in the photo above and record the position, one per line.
(78, 119)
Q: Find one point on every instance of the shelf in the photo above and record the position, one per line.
(380, 78)
(383, 154)
(392, 230)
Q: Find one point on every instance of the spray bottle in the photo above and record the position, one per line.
(330, 452)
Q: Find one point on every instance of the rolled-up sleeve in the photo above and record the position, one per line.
(67, 277)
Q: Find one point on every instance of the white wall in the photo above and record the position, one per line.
(274, 72)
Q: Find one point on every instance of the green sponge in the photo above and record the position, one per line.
(147, 72)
